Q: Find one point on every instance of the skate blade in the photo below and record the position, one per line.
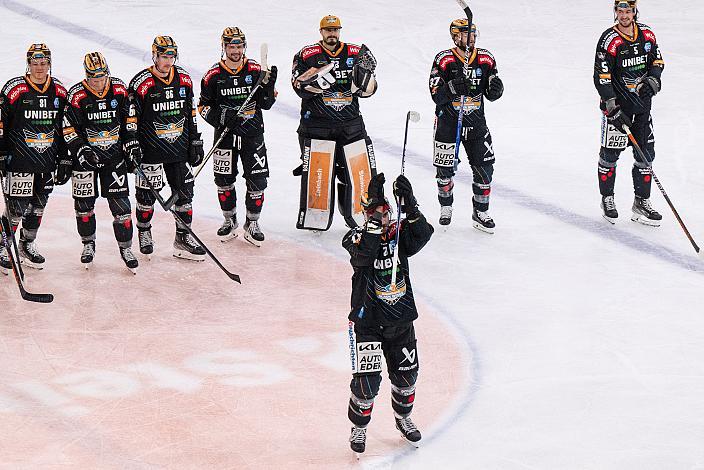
(251, 240)
(87, 266)
(132, 270)
(29, 264)
(610, 220)
(444, 222)
(415, 445)
(482, 228)
(227, 238)
(643, 220)
(184, 254)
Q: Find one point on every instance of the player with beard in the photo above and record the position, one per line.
(31, 115)
(382, 314)
(161, 104)
(224, 88)
(330, 77)
(448, 84)
(627, 70)
(95, 130)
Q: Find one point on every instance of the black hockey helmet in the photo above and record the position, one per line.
(95, 65)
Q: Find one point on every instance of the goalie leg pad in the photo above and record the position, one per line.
(359, 168)
(317, 184)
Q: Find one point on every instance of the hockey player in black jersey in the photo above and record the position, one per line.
(627, 70)
(330, 76)
(161, 100)
(98, 137)
(31, 145)
(382, 315)
(224, 88)
(448, 84)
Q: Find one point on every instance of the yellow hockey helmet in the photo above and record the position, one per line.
(164, 45)
(233, 35)
(38, 51)
(95, 65)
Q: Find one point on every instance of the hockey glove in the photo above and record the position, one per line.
(648, 87)
(616, 117)
(87, 159)
(459, 86)
(404, 192)
(229, 118)
(496, 88)
(133, 155)
(366, 59)
(195, 151)
(375, 193)
(63, 171)
(270, 77)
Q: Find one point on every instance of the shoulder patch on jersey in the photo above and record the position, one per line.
(77, 97)
(185, 79)
(612, 42)
(214, 70)
(253, 66)
(73, 90)
(15, 88)
(353, 49)
(180, 69)
(648, 33)
(485, 57)
(312, 50)
(60, 89)
(445, 58)
(140, 78)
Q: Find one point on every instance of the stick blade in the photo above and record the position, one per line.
(39, 298)
(413, 116)
(263, 54)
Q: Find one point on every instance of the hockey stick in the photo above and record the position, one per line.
(649, 162)
(181, 223)
(12, 237)
(465, 73)
(6, 234)
(411, 116)
(264, 52)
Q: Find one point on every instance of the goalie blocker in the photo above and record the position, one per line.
(324, 160)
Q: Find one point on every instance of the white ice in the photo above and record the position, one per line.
(583, 341)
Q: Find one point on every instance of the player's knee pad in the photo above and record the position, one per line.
(32, 218)
(258, 183)
(642, 179)
(254, 203)
(185, 195)
(84, 204)
(359, 410)
(483, 174)
(608, 157)
(119, 206)
(402, 399)
(85, 222)
(144, 214)
(185, 211)
(144, 197)
(122, 227)
(227, 196)
(365, 386)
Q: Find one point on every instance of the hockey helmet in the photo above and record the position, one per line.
(460, 26)
(233, 35)
(38, 51)
(164, 45)
(330, 22)
(368, 210)
(95, 65)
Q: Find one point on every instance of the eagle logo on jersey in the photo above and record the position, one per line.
(337, 100)
(39, 141)
(103, 139)
(632, 83)
(171, 131)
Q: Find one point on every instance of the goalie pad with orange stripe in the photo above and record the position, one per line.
(360, 167)
(317, 185)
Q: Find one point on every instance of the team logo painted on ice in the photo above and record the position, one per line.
(170, 132)
(39, 141)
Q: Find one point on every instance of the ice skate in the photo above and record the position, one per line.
(358, 439)
(30, 256)
(88, 254)
(227, 231)
(185, 247)
(483, 221)
(5, 265)
(643, 213)
(252, 232)
(609, 207)
(409, 431)
(146, 244)
(445, 215)
(129, 259)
